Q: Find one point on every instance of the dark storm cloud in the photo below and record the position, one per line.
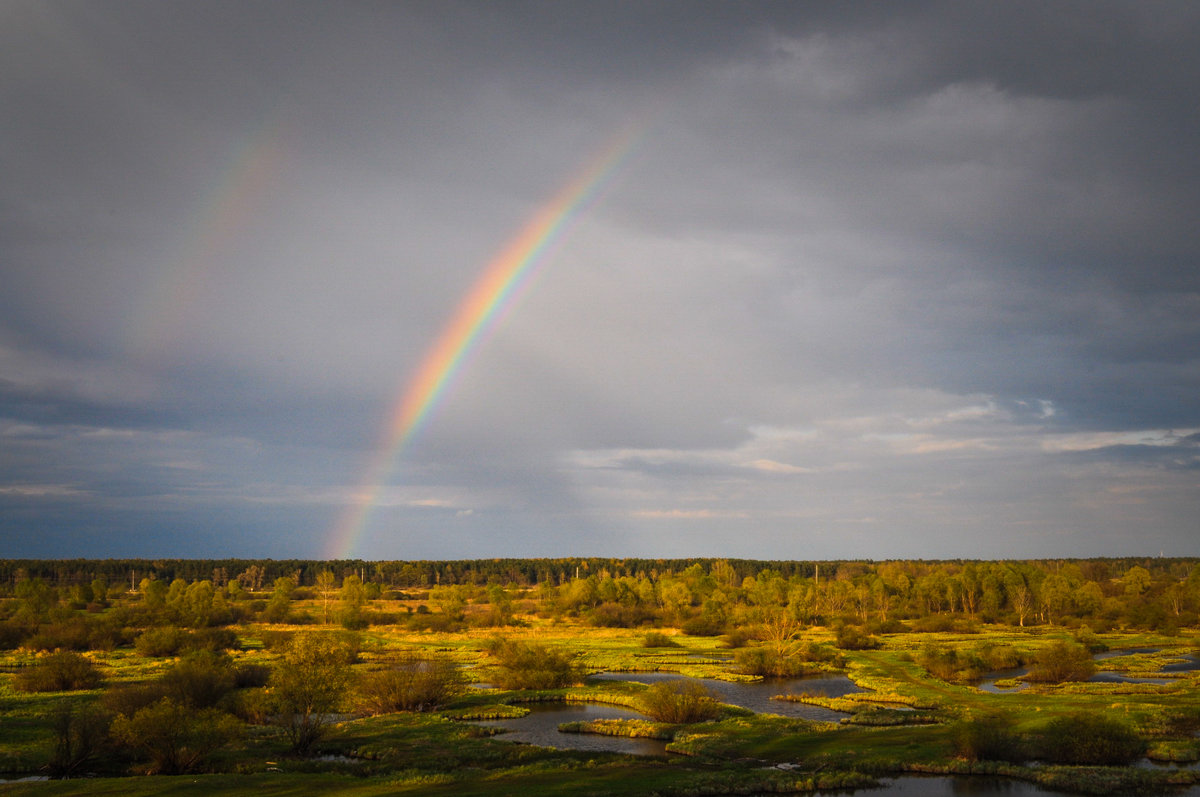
(904, 269)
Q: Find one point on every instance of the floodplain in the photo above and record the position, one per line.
(502, 690)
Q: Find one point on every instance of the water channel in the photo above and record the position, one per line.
(757, 695)
(540, 726)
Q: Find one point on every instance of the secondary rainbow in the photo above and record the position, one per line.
(492, 295)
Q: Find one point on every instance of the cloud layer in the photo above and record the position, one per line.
(878, 280)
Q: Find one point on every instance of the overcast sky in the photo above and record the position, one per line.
(881, 280)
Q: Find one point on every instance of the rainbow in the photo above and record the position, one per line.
(226, 210)
(492, 296)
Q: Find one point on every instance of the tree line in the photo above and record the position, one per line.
(701, 596)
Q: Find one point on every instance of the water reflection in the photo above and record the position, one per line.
(757, 696)
(948, 786)
(540, 727)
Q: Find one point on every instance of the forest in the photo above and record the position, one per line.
(384, 676)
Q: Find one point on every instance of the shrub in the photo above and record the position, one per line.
(657, 639)
(308, 685)
(953, 666)
(1085, 738)
(13, 634)
(987, 739)
(63, 671)
(246, 676)
(176, 738)
(680, 700)
(411, 684)
(129, 700)
(215, 639)
(737, 638)
(702, 626)
(161, 641)
(79, 738)
(70, 635)
(277, 641)
(851, 637)
(524, 665)
(1062, 661)
(769, 662)
(1087, 637)
(200, 680)
(999, 657)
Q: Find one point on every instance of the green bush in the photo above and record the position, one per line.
(80, 737)
(1062, 661)
(308, 685)
(1090, 739)
(62, 671)
(680, 701)
(410, 684)
(176, 738)
(524, 665)
(702, 626)
(130, 699)
(851, 637)
(987, 739)
(657, 639)
(200, 680)
(951, 665)
(162, 641)
(248, 676)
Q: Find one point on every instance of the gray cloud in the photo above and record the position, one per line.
(877, 280)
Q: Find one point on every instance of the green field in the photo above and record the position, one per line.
(917, 706)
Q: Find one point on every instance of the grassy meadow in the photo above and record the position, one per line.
(917, 707)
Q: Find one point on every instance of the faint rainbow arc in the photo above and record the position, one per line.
(493, 292)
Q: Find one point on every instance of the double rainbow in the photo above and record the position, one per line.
(493, 294)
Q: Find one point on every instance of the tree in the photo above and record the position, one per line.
(353, 597)
(411, 683)
(679, 700)
(1062, 661)
(326, 583)
(281, 599)
(176, 738)
(308, 685)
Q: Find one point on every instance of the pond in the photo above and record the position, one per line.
(757, 695)
(979, 786)
(540, 727)
(1188, 663)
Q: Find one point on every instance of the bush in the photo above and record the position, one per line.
(129, 700)
(850, 637)
(411, 684)
(215, 639)
(161, 641)
(1090, 739)
(308, 685)
(523, 665)
(63, 671)
(737, 638)
(247, 676)
(680, 700)
(657, 639)
(71, 635)
(1062, 661)
(79, 738)
(1087, 637)
(176, 738)
(702, 626)
(13, 634)
(987, 739)
(953, 666)
(200, 680)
